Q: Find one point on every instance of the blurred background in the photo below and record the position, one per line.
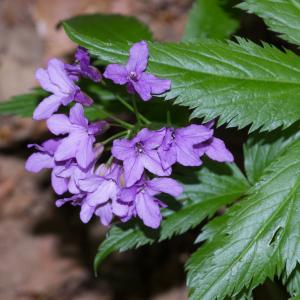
(46, 253)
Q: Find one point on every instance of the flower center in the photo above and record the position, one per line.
(139, 147)
(133, 76)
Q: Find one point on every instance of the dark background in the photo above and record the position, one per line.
(45, 252)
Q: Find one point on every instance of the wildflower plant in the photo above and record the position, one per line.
(134, 119)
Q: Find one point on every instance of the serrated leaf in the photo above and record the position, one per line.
(207, 19)
(201, 199)
(282, 16)
(260, 151)
(242, 83)
(22, 105)
(110, 27)
(259, 239)
(293, 283)
(215, 187)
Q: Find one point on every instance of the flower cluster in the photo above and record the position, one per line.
(139, 167)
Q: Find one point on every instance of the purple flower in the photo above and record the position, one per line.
(55, 80)
(178, 145)
(214, 148)
(72, 173)
(140, 153)
(44, 159)
(82, 67)
(81, 136)
(133, 74)
(139, 200)
(100, 188)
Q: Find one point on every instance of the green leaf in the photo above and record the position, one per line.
(281, 16)
(259, 237)
(210, 188)
(215, 186)
(242, 82)
(110, 27)
(207, 19)
(293, 283)
(260, 151)
(22, 105)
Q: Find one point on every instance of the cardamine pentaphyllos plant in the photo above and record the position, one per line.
(133, 124)
(139, 167)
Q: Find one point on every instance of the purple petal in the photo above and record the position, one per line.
(68, 147)
(59, 124)
(127, 195)
(92, 73)
(165, 185)
(86, 212)
(50, 146)
(42, 77)
(90, 184)
(151, 162)
(167, 157)
(133, 170)
(38, 161)
(143, 89)
(77, 116)
(47, 107)
(105, 214)
(122, 149)
(72, 186)
(97, 128)
(65, 171)
(107, 190)
(73, 71)
(218, 151)
(138, 57)
(82, 98)
(117, 73)
(186, 155)
(82, 55)
(60, 185)
(120, 209)
(157, 85)
(201, 148)
(75, 200)
(148, 210)
(151, 139)
(85, 153)
(58, 75)
(194, 134)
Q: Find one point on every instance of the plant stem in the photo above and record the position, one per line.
(119, 134)
(117, 120)
(136, 112)
(130, 108)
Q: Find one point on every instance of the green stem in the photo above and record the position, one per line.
(109, 161)
(136, 112)
(117, 120)
(119, 134)
(130, 108)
